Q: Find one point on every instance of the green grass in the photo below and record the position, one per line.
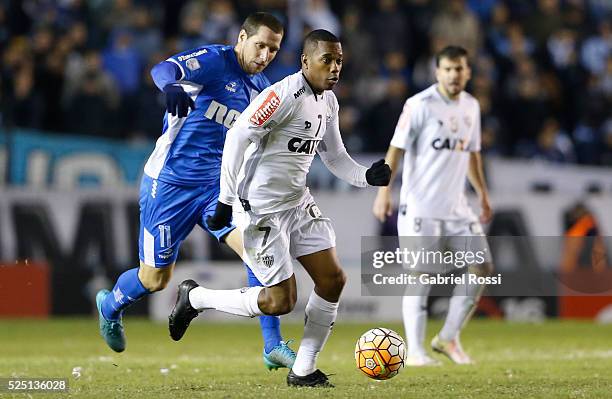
(554, 359)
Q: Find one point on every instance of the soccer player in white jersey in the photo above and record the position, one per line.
(267, 155)
(438, 134)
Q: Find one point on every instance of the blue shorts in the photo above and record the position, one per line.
(168, 213)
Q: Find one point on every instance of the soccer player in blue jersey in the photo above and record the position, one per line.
(206, 90)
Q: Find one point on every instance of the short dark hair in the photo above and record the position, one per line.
(252, 23)
(316, 36)
(452, 53)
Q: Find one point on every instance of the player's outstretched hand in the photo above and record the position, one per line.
(486, 213)
(177, 101)
(379, 174)
(383, 206)
(222, 217)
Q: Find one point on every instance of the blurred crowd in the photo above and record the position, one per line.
(542, 70)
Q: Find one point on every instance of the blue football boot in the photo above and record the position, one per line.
(280, 356)
(111, 331)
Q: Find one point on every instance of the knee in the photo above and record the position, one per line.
(281, 308)
(154, 279)
(331, 287)
(343, 278)
(337, 280)
(157, 285)
(277, 305)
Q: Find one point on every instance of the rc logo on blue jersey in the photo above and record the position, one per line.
(231, 86)
(220, 114)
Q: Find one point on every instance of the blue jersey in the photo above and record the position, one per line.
(189, 150)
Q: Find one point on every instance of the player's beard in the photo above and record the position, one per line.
(454, 88)
(257, 68)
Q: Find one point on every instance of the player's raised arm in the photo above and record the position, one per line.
(339, 162)
(166, 75)
(192, 69)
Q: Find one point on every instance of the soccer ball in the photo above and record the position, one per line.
(380, 353)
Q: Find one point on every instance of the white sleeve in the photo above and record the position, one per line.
(265, 112)
(334, 155)
(408, 124)
(475, 137)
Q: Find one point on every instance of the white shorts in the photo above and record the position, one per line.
(272, 240)
(460, 235)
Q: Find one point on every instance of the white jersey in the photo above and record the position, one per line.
(437, 135)
(270, 147)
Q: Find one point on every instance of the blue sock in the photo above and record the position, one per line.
(127, 290)
(270, 325)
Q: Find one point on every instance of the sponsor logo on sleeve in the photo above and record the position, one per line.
(314, 211)
(266, 109)
(194, 54)
(192, 64)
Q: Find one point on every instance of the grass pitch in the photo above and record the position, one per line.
(549, 360)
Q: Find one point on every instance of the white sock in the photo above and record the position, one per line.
(414, 309)
(242, 302)
(320, 317)
(461, 307)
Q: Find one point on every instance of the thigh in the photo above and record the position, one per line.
(310, 231)
(321, 266)
(266, 247)
(284, 292)
(155, 276)
(466, 236)
(422, 238)
(233, 239)
(168, 213)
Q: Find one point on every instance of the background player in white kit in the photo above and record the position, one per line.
(438, 133)
(277, 137)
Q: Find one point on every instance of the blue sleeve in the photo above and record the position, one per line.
(201, 66)
(164, 73)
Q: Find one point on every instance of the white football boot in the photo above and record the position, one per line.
(451, 349)
(421, 360)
